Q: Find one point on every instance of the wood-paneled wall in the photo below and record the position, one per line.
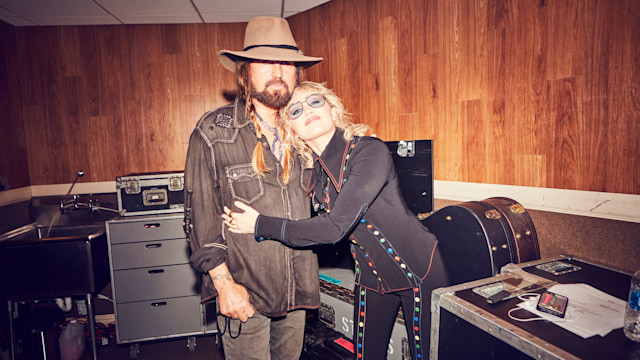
(114, 100)
(533, 93)
(517, 92)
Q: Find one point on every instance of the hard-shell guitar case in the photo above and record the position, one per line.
(477, 238)
(523, 239)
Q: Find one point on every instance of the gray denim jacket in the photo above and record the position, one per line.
(218, 171)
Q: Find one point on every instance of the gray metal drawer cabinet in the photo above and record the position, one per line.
(155, 290)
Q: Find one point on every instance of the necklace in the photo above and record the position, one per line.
(277, 141)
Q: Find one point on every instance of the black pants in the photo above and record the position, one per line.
(375, 314)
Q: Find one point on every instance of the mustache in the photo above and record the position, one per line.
(276, 82)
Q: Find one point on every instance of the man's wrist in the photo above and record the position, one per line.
(221, 279)
(224, 276)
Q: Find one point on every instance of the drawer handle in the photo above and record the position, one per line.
(151, 226)
(156, 271)
(153, 246)
(161, 303)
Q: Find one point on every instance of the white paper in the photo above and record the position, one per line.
(589, 311)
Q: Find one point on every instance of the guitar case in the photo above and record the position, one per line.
(477, 238)
(523, 239)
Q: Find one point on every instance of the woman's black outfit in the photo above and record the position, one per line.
(355, 189)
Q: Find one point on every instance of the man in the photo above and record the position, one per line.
(235, 153)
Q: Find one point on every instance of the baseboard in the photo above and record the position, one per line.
(624, 207)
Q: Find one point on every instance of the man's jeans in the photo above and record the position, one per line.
(263, 338)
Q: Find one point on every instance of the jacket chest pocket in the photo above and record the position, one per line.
(244, 183)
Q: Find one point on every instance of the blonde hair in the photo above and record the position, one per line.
(260, 166)
(341, 118)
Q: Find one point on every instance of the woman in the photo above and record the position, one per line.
(355, 190)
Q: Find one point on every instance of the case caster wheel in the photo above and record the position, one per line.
(191, 343)
(134, 350)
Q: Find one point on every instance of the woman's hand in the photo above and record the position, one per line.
(241, 222)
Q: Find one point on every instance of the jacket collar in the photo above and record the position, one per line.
(333, 158)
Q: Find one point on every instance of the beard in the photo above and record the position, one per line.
(273, 99)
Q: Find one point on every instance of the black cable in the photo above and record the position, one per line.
(227, 324)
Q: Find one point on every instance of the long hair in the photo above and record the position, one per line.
(341, 118)
(243, 81)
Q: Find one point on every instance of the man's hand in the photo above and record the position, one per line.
(233, 298)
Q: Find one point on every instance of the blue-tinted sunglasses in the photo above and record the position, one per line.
(295, 110)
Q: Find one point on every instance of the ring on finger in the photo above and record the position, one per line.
(231, 213)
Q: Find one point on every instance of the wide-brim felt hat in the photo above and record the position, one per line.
(267, 38)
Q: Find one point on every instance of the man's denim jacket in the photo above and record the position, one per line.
(218, 171)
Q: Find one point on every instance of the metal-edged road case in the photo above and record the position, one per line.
(413, 160)
(464, 325)
(149, 194)
(336, 310)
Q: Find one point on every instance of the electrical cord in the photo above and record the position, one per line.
(103, 208)
(103, 297)
(532, 299)
(227, 325)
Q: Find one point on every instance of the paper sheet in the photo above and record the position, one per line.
(589, 312)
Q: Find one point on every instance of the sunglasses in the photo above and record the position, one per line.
(295, 110)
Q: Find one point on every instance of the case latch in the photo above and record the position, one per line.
(406, 148)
